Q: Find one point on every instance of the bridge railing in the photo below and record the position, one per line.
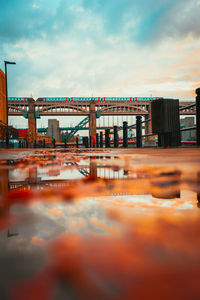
(178, 131)
(161, 139)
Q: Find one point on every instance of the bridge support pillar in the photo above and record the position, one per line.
(31, 123)
(4, 182)
(33, 176)
(92, 120)
(148, 125)
(93, 169)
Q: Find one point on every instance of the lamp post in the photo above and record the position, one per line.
(7, 133)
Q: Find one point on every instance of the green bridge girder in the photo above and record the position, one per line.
(76, 128)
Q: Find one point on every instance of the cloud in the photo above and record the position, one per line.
(100, 47)
(141, 21)
(23, 20)
(55, 212)
(148, 21)
(122, 69)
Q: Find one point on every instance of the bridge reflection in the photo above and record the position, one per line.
(59, 177)
(94, 168)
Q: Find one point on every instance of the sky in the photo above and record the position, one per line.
(101, 47)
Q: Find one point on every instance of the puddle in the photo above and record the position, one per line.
(92, 225)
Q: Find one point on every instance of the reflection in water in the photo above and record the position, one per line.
(165, 185)
(198, 192)
(4, 181)
(92, 227)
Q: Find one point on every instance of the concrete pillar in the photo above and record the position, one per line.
(93, 169)
(33, 176)
(149, 117)
(4, 182)
(148, 126)
(92, 120)
(138, 132)
(146, 129)
(31, 123)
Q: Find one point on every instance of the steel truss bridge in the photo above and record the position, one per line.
(82, 108)
(92, 109)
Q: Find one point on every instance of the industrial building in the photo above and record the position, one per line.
(53, 129)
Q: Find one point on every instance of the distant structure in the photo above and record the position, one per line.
(53, 129)
(189, 135)
(3, 110)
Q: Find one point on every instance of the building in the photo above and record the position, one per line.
(189, 135)
(4, 129)
(3, 108)
(53, 129)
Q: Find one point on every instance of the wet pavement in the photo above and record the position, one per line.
(100, 224)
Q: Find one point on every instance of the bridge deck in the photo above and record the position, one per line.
(82, 108)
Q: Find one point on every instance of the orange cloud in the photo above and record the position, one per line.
(55, 212)
(37, 240)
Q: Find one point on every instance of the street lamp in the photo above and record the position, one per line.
(7, 133)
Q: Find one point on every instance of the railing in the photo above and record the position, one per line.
(188, 128)
(187, 106)
(105, 139)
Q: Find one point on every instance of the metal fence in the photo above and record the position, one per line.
(111, 138)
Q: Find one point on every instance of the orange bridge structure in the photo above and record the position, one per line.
(32, 110)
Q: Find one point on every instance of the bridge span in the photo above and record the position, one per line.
(32, 110)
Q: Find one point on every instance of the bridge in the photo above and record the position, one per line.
(32, 110)
(91, 169)
(121, 176)
(69, 128)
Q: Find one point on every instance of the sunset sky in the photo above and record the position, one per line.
(101, 47)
